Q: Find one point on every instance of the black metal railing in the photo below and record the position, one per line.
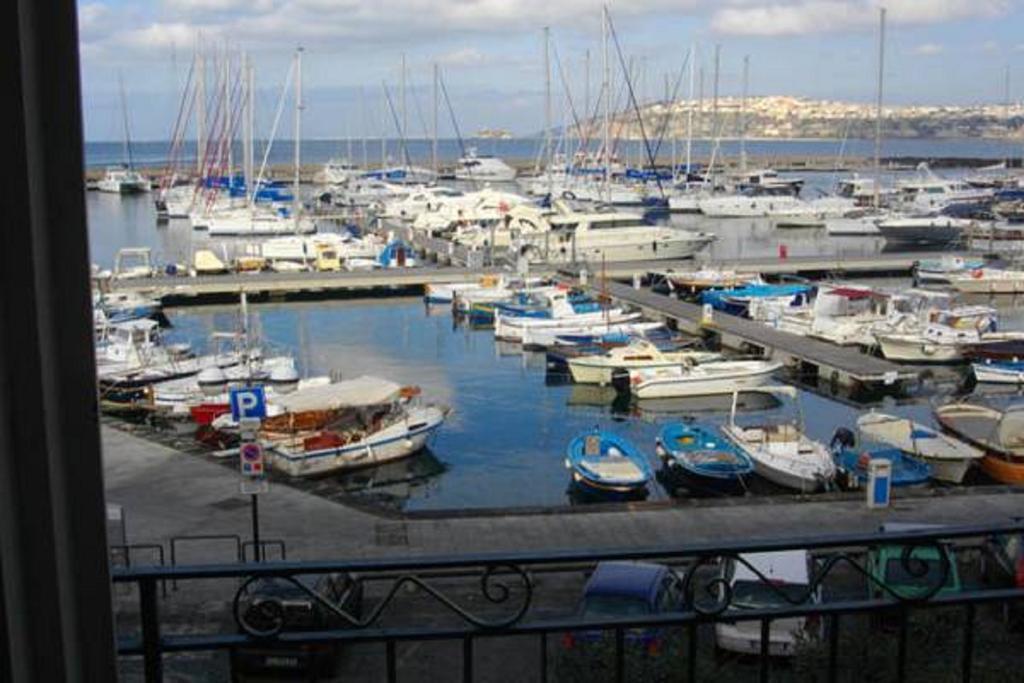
(506, 584)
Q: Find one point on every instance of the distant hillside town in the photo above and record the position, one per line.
(781, 117)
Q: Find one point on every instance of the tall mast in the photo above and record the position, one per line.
(714, 107)
(689, 111)
(383, 130)
(547, 107)
(670, 118)
(586, 99)
(404, 130)
(298, 131)
(433, 145)
(229, 137)
(606, 152)
(1006, 102)
(200, 111)
(743, 113)
(365, 126)
(247, 151)
(878, 108)
(127, 129)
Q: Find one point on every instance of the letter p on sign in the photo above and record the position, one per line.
(248, 402)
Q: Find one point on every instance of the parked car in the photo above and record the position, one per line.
(301, 613)
(627, 589)
(912, 571)
(788, 582)
(1003, 567)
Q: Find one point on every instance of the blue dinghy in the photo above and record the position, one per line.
(906, 471)
(605, 463)
(703, 460)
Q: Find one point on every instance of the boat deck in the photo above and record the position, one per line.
(849, 366)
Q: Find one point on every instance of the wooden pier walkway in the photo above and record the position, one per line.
(848, 366)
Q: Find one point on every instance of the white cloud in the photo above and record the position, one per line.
(785, 17)
(466, 56)
(929, 49)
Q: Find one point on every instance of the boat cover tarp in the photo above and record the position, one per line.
(352, 393)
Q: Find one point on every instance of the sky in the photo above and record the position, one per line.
(491, 55)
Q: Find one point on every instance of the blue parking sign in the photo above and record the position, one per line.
(247, 402)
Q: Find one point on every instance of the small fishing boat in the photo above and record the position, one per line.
(998, 432)
(604, 462)
(696, 281)
(722, 377)
(999, 371)
(347, 425)
(598, 368)
(942, 339)
(600, 333)
(1002, 350)
(989, 281)
(781, 451)
(702, 460)
(906, 471)
(950, 458)
(738, 301)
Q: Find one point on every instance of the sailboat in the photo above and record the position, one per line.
(123, 179)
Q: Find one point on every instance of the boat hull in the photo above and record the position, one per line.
(392, 443)
(912, 349)
(726, 383)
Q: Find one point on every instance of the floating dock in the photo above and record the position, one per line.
(846, 366)
(186, 290)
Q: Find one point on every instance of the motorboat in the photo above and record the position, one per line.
(601, 332)
(841, 314)
(921, 230)
(999, 372)
(337, 172)
(741, 300)
(477, 167)
(446, 293)
(781, 451)
(365, 192)
(998, 432)
(702, 460)
(950, 458)
(122, 180)
(940, 270)
(989, 281)
(611, 236)
(420, 200)
(930, 193)
(719, 377)
(942, 339)
(205, 262)
(605, 463)
(134, 357)
(1007, 350)
(347, 425)
(557, 311)
(637, 354)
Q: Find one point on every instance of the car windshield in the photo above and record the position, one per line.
(756, 594)
(900, 573)
(614, 606)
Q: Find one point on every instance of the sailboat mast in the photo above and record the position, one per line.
(878, 108)
(127, 129)
(714, 108)
(606, 152)
(402, 133)
(200, 111)
(437, 106)
(362, 108)
(298, 132)
(689, 111)
(547, 107)
(743, 113)
(247, 152)
(229, 137)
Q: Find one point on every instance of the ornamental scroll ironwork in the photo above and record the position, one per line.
(264, 616)
(716, 594)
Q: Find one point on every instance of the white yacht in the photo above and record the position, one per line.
(122, 180)
(562, 235)
(336, 172)
(938, 230)
(478, 167)
(417, 201)
(929, 192)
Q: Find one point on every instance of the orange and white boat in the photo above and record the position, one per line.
(999, 432)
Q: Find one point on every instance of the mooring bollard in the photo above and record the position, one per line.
(636, 280)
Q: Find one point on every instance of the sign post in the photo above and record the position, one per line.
(248, 408)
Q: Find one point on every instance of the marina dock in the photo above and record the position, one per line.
(846, 366)
(185, 290)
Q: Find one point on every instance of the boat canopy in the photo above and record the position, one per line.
(352, 393)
